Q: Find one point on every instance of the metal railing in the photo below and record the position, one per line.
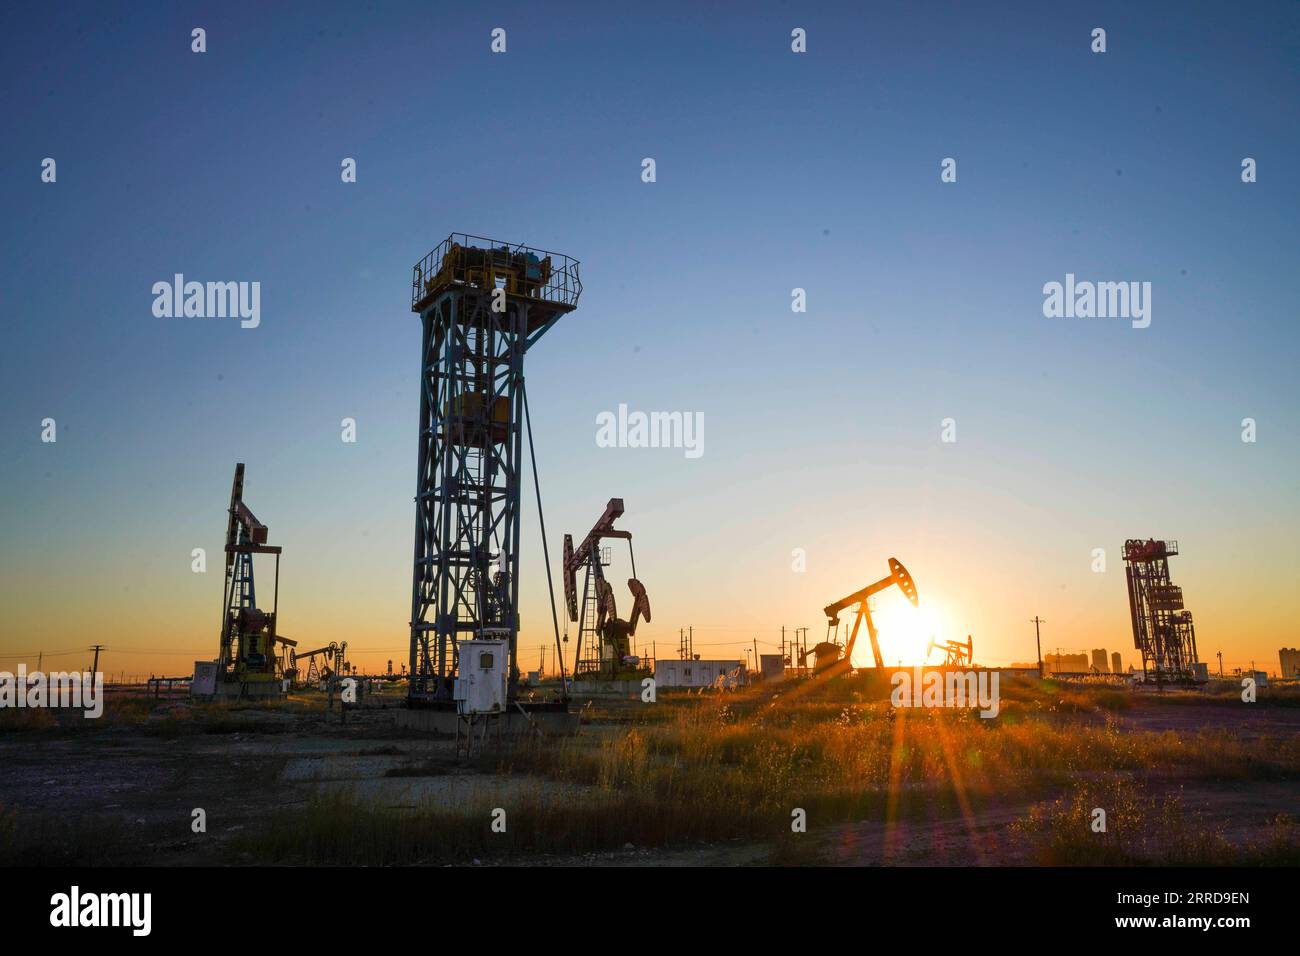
(479, 262)
(1135, 549)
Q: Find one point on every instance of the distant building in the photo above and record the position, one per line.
(1290, 657)
(1116, 665)
(694, 673)
(1065, 663)
(1099, 661)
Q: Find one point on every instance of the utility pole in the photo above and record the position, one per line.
(691, 632)
(94, 668)
(1039, 641)
(1220, 656)
(756, 654)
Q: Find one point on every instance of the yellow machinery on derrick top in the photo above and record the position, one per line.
(518, 271)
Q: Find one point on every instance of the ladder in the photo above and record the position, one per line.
(589, 639)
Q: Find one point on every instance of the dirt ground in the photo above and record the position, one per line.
(130, 781)
(1248, 724)
(135, 790)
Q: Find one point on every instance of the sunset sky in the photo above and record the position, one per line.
(775, 170)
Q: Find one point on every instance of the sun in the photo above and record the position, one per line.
(904, 631)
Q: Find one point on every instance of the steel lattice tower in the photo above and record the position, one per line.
(482, 305)
(1162, 628)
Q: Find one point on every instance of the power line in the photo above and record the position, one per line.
(38, 653)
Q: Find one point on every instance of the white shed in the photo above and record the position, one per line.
(679, 673)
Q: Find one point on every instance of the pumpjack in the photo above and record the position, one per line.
(604, 639)
(955, 653)
(248, 658)
(898, 577)
(334, 656)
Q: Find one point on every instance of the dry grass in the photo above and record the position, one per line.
(777, 750)
(168, 718)
(1145, 830)
(338, 828)
(46, 840)
(716, 768)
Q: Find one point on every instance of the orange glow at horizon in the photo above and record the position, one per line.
(904, 632)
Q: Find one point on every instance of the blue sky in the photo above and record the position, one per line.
(774, 171)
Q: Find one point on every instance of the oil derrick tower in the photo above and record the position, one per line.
(482, 305)
(1162, 628)
(248, 656)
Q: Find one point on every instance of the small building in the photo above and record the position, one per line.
(771, 667)
(697, 673)
(1290, 660)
